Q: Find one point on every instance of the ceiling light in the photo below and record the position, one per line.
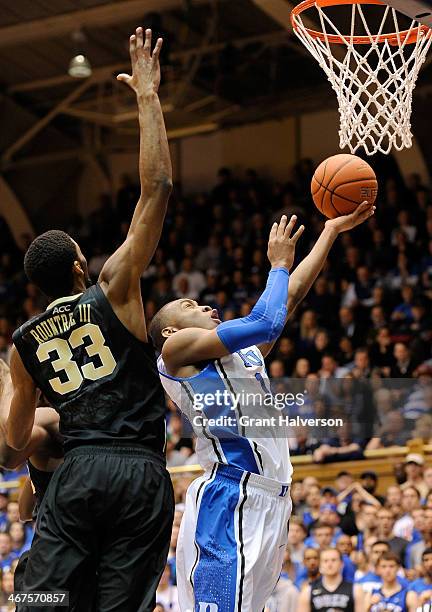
(79, 67)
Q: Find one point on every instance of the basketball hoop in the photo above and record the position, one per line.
(373, 75)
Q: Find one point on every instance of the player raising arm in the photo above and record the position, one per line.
(108, 509)
(307, 271)
(120, 276)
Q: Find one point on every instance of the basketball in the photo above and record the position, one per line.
(341, 183)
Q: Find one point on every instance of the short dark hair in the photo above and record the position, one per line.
(332, 549)
(381, 542)
(158, 323)
(389, 556)
(427, 551)
(321, 525)
(49, 261)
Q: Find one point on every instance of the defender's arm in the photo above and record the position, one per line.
(120, 276)
(21, 417)
(26, 501)
(307, 271)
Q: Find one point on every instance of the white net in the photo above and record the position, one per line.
(374, 81)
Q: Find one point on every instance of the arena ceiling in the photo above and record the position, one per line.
(225, 62)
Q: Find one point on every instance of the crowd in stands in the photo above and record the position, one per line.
(360, 344)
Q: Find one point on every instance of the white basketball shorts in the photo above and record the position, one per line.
(232, 541)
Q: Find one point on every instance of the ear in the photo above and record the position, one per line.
(168, 331)
(77, 268)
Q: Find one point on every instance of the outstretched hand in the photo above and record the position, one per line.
(281, 245)
(347, 222)
(146, 76)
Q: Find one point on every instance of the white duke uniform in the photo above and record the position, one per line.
(235, 527)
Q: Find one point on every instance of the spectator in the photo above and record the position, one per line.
(385, 525)
(296, 537)
(310, 573)
(416, 550)
(390, 593)
(414, 474)
(340, 448)
(423, 586)
(410, 501)
(166, 593)
(330, 589)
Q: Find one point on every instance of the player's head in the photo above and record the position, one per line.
(330, 562)
(55, 264)
(388, 566)
(427, 562)
(181, 314)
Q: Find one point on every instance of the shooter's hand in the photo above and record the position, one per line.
(347, 222)
(281, 246)
(145, 79)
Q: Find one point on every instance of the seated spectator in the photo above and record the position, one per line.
(18, 538)
(386, 521)
(286, 352)
(418, 402)
(285, 596)
(359, 292)
(366, 523)
(414, 474)
(369, 482)
(427, 477)
(423, 586)
(372, 580)
(188, 282)
(394, 500)
(321, 536)
(310, 571)
(416, 549)
(402, 274)
(393, 432)
(403, 312)
(349, 327)
(328, 591)
(390, 594)
(313, 503)
(296, 537)
(410, 501)
(381, 351)
(345, 547)
(166, 593)
(404, 363)
(302, 368)
(308, 331)
(340, 448)
(7, 556)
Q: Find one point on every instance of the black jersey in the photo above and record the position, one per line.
(102, 380)
(340, 600)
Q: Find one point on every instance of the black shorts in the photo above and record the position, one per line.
(103, 530)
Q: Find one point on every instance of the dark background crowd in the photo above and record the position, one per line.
(359, 344)
(366, 321)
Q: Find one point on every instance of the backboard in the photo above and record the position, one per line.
(420, 10)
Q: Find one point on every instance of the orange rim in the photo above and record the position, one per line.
(406, 37)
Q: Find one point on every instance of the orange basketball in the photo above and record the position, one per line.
(341, 183)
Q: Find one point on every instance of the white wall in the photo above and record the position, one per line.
(269, 147)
